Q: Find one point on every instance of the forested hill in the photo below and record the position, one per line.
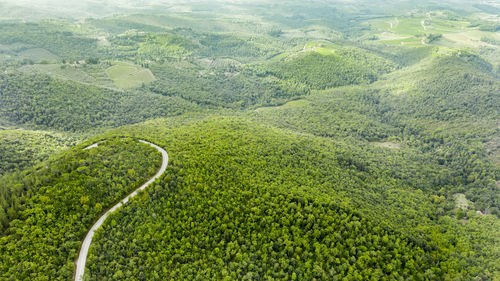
(442, 111)
(241, 200)
(318, 140)
(446, 88)
(22, 149)
(46, 212)
(39, 101)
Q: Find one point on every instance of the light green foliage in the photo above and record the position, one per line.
(476, 240)
(308, 140)
(165, 46)
(241, 200)
(320, 70)
(45, 39)
(49, 210)
(126, 75)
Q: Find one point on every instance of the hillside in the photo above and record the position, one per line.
(328, 68)
(22, 149)
(259, 202)
(45, 212)
(39, 101)
(319, 140)
(421, 115)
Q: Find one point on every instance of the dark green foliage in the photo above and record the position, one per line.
(430, 38)
(50, 36)
(182, 43)
(490, 28)
(119, 25)
(92, 60)
(345, 67)
(21, 149)
(406, 57)
(385, 160)
(227, 46)
(52, 208)
(342, 113)
(491, 41)
(299, 14)
(43, 102)
(240, 201)
(228, 89)
(275, 32)
(452, 88)
(455, 96)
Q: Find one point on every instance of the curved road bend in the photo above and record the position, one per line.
(84, 250)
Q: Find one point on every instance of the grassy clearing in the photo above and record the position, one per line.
(438, 25)
(59, 71)
(462, 202)
(470, 39)
(388, 144)
(388, 36)
(382, 24)
(409, 26)
(127, 75)
(322, 47)
(288, 105)
(409, 31)
(295, 104)
(408, 41)
(325, 48)
(38, 54)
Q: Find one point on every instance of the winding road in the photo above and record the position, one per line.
(84, 250)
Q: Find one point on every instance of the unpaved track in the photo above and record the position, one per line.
(84, 250)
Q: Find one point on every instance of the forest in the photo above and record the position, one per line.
(42, 102)
(48, 210)
(306, 141)
(261, 194)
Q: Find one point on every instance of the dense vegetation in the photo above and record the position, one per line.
(231, 234)
(221, 88)
(43, 102)
(246, 215)
(319, 140)
(49, 210)
(22, 149)
(343, 67)
(53, 37)
(453, 140)
(247, 188)
(451, 88)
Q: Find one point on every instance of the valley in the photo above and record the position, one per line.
(319, 140)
